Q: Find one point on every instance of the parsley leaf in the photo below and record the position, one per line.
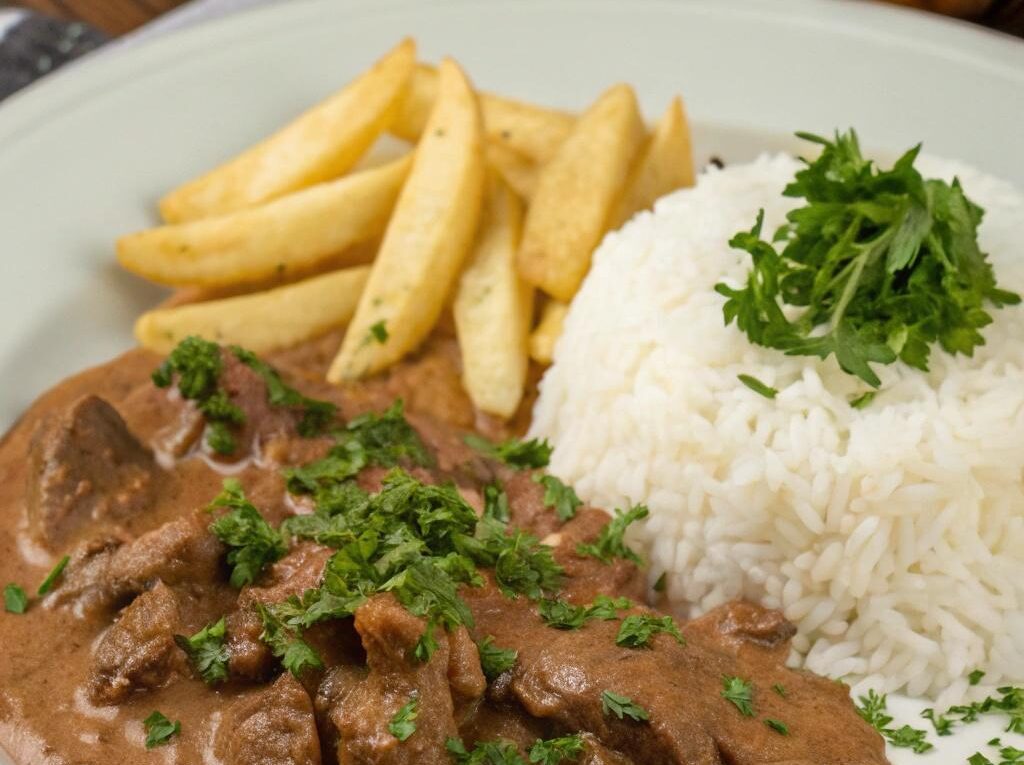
(637, 630)
(316, 415)
(496, 503)
(863, 400)
(873, 708)
(53, 576)
(15, 599)
(887, 262)
(198, 364)
(160, 730)
(779, 727)
(975, 677)
(610, 543)
(606, 608)
(484, 753)
(253, 543)
(535, 453)
(493, 660)
(403, 724)
(757, 386)
(562, 615)
(622, 706)
(558, 496)
(379, 332)
(554, 751)
(740, 693)
(780, 689)
(942, 724)
(207, 652)
(296, 655)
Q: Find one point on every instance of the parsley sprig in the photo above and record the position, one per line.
(559, 497)
(882, 265)
(622, 706)
(207, 652)
(403, 723)
(873, 709)
(252, 543)
(610, 543)
(159, 729)
(520, 455)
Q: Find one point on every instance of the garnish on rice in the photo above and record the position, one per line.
(883, 264)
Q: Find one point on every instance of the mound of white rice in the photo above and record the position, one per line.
(892, 536)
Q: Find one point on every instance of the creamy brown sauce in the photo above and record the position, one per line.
(48, 707)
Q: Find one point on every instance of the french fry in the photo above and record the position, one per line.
(547, 332)
(320, 144)
(428, 238)
(576, 191)
(262, 321)
(515, 169)
(493, 308)
(533, 131)
(290, 234)
(664, 165)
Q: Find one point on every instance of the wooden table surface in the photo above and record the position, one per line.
(115, 17)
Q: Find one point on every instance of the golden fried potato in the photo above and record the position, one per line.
(291, 234)
(261, 321)
(666, 164)
(320, 144)
(515, 169)
(547, 332)
(493, 308)
(576, 191)
(428, 238)
(532, 131)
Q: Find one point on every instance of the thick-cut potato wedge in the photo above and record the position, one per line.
(664, 165)
(516, 170)
(533, 131)
(262, 321)
(493, 308)
(293, 233)
(320, 144)
(428, 238)
(576, 191)
(547, 332)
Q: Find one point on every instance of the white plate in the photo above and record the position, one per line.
(84, 155)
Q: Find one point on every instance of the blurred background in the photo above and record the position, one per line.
(39, 36)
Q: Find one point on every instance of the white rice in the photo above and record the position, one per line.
(892, 536)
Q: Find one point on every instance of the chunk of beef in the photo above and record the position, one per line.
(364, 706)
(465, 677)
(503, 721)
(295, 573)
(561, 675)
(744, 628)
(274, 726)
(588, 577)
(182, 552)
(527, 510)
(596, 753)
(86, 466)
(138, 651)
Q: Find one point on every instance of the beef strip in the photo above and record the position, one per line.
(86, 467)
(364, 705)
(465, 677)
(560, 676)
(274, 726)
(105, 572)
(138, 650)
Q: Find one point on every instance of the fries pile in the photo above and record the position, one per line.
(495, 213)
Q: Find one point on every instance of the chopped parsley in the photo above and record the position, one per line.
(882, 264)
(198, 364)
(863, 400)
(975, 677)
(15, 599)
(403, 724)
(160, 730)
(493, 660)
(535, 453)
(283, 639)
(207, 652)
(385, 439)
(780, 689)
(637, 630)
(554, 751)
(610, 543)
(484, 753)
(561, 498)
(496, 503)
(942, 724)
(564, 615)
(757, 386)
(606, 608)
(622, 706)
(779, 727)
(316, 415)
(252, 542)
(378, 332)
(53, 576)
(739, 693)
(874, 711)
